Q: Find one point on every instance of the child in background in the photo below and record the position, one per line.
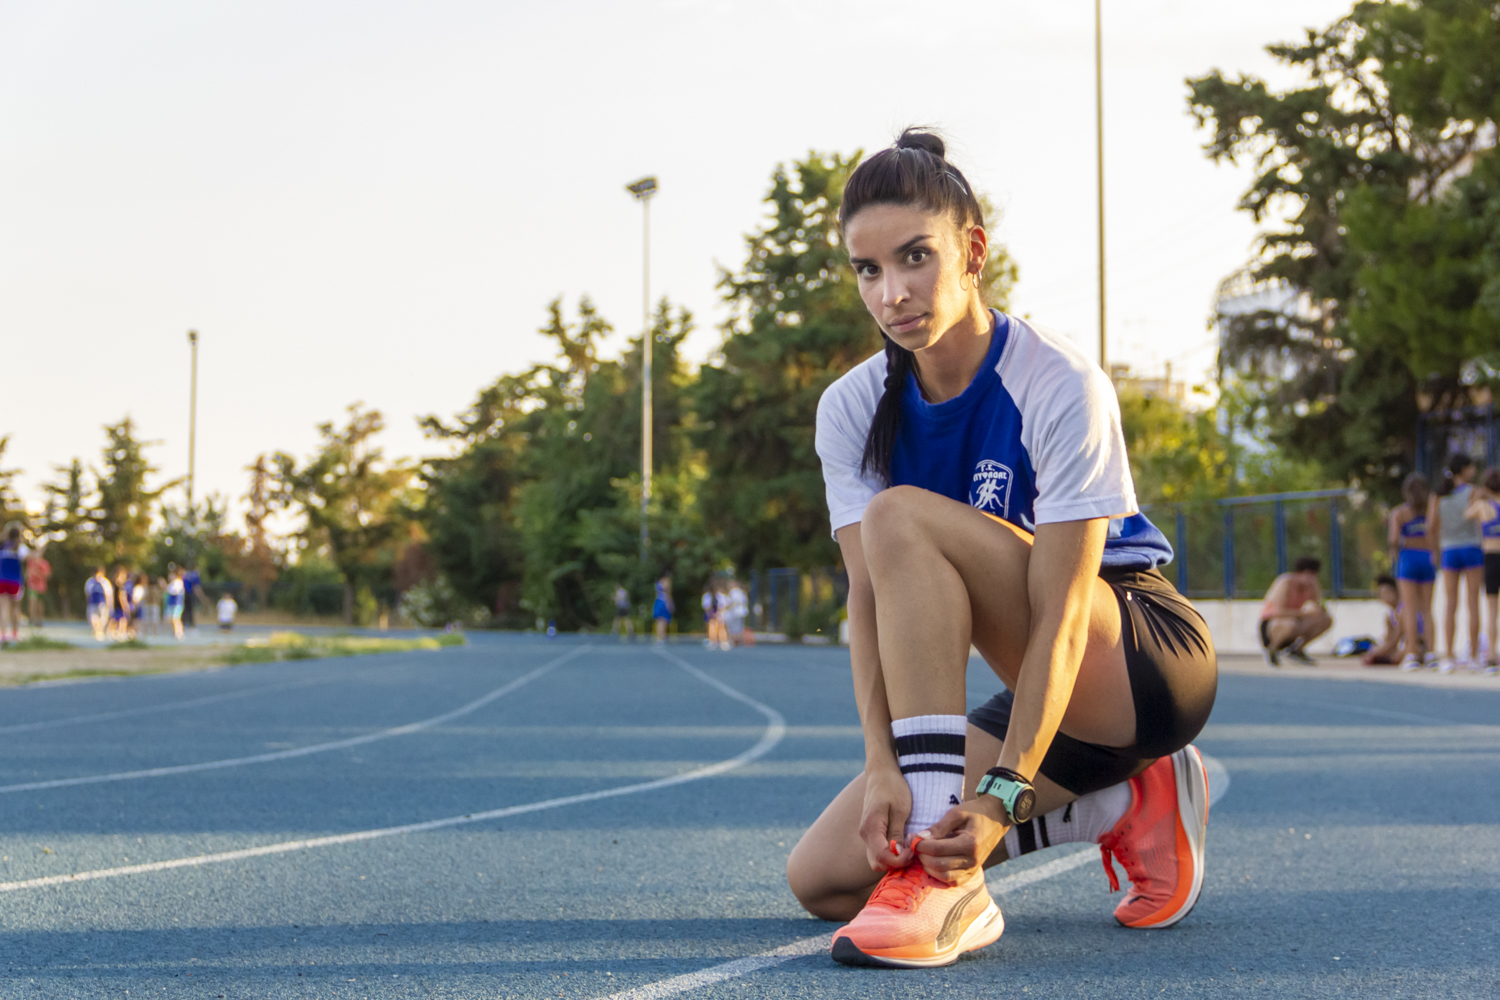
(227, 609)
(38, 572)
(175, 591)
(97, 594)
(120, 611)
(1388, 651)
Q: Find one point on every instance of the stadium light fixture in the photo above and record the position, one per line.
(643, 189)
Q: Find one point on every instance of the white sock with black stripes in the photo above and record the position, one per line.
(1082, 821)
(930, 750)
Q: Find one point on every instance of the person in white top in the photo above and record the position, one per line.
(227, 609)
(739, 610)
(980, 493)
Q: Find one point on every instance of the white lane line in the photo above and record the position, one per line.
(263, 758)
(774, 732)
(72, 720)
(1218, 784)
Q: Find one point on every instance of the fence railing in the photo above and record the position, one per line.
(796, 601)
(1235, 547)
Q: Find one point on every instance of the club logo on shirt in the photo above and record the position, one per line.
(990, 490)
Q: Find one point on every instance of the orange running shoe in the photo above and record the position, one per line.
(914, 921)
(1159, 841)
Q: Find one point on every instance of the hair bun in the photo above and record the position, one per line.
(917, 138)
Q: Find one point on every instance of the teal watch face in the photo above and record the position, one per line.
(1018, 798)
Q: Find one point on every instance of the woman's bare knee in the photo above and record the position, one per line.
(892, 520)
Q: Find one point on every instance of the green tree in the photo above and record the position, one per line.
(123, 501)
(73, 546)
(354, 504)
(1375, 182)
(797, 324)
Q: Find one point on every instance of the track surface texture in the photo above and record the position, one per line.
(1358, 852)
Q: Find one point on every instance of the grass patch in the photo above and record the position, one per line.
(129, 644)
(36, 642)
(299, 646)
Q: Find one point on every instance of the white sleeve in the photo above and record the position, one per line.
(1071, 429)
(844, 417)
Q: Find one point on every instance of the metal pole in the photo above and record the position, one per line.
(1099, 136)
(1228, 553)
(192, 419)
(1181, 553)
(646, 339)
(1336, 543)
(1280, 521)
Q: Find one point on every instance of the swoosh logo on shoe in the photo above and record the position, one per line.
(952, 923)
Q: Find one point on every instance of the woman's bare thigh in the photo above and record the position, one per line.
(992, 557)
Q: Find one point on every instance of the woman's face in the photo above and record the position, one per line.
(908, 263)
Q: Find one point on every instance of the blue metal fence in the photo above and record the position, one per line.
(1235, 547)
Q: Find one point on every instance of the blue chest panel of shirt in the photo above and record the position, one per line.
(969, 449)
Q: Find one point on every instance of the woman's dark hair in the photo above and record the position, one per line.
(1307, 564)
(914, 171)
(1492, 480)
(1456, 466)
(1416, 489)
(1385, 580)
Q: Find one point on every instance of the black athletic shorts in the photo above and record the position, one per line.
(1173, 679)
(1492, 573)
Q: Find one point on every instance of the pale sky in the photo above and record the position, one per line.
(375, 201)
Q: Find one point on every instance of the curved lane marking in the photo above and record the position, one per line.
(774, 732)
(1218, 784)
(263, 758)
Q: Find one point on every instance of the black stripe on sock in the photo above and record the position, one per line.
(930, 743)
(1027, 838)
(950, 768)
(1041, 825)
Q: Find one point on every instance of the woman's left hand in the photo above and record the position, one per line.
(963, 839)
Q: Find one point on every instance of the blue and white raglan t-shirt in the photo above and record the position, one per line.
(1034, 439)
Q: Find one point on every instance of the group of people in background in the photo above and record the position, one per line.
(726, 606)
(1452, 531)
(136, 604)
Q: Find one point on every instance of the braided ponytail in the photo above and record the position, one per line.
(881, 441)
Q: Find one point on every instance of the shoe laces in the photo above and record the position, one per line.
(900, 886)
(1111, 844)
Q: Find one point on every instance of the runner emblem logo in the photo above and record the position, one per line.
(990, 490)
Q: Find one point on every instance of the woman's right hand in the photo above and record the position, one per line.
(887, 806)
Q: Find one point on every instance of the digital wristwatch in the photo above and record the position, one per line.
(1014, 792)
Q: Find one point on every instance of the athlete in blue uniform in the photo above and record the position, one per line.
(1411, 558)
(980, 492)
(662, 608)
(12, 582)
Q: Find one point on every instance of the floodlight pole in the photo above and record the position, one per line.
(643, 189)
(192, 418)
(1099, 135)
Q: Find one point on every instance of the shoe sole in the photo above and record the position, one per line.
(1192, 831)
(984, 931)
